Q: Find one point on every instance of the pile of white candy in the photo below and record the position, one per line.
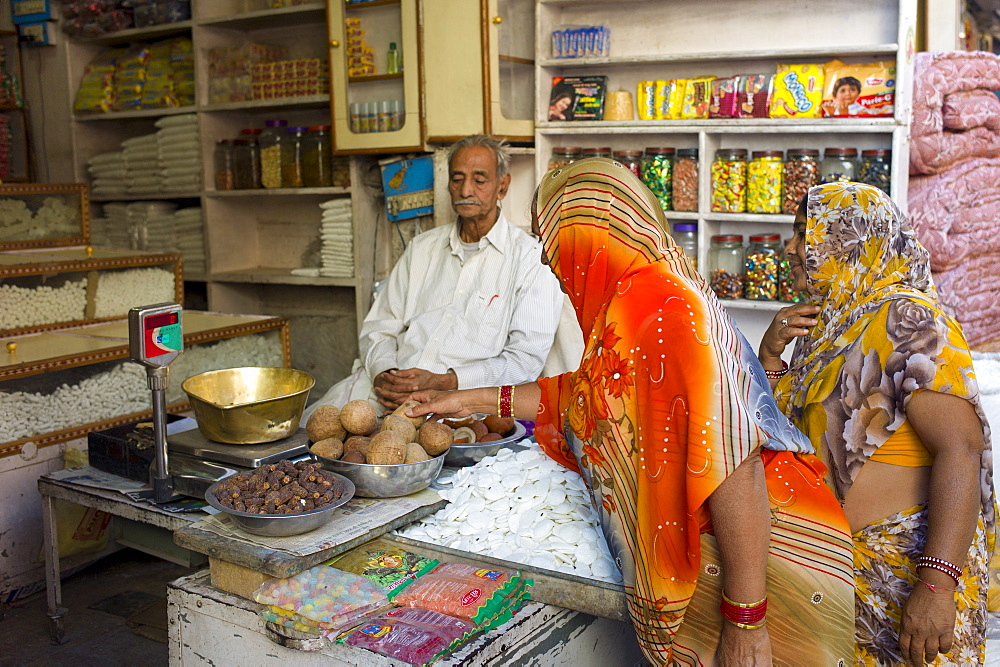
(117, 291)
(54, 218)
(122, 389)
(525, 508)
(45, 304)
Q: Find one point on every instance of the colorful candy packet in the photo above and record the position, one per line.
(461, 590)
(385, 565)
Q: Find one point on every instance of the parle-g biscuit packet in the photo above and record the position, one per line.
(798, 91)
(860, 89)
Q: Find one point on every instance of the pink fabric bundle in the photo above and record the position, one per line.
(970, 291)
(956, 117)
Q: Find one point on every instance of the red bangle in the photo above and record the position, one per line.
(955, 571)
(774, 375)
(939, 568)
(505, 401)
(748, 616)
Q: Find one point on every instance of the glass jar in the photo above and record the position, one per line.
(291, 157)
(564, 155)
(631, 159)
(786, 284)
(270, 152)
(246, 160)
(876, 169)
(317, 158)
(684, 187)
(685, 235)
(725, 258)
(801, 172)
(657, 174)
(764, 182)
(604, 151)
(225, 178)
(760, 267)
(839, 163)
(729, 180)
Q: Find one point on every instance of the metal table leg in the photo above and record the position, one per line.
(53, 583)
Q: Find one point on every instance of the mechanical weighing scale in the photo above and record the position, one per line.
(186, 462)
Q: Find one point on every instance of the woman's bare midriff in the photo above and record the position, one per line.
(882, 489)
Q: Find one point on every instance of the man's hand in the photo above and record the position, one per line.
(394, 386)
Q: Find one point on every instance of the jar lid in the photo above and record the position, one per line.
(275, 123)
(842, 152)
(733, 153)
(760, 154)
(660, 151)
(316, 128)
(566, 150)
(802, 152)
(253, 130)
(596, 152)
(765, 238)
(293, 130)
(728, 238)
(876, 152)
(686, 227)
(627, 153)
(687, 152)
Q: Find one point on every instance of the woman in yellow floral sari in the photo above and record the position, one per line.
(881, 381)
(671, 422)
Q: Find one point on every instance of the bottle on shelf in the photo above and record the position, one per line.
(685, 235)
(270, 153)
(684, 185)
(393, 61)
(246, 160)
(317, 158)
(225, 176)
(761, 267)
(291, 157)
(725, 259)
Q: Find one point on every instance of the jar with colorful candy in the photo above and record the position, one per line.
(657, 174)
(564, 155)
(729, 180)
(839, 163)
(760, 267)
(875, 168)
(632, 159)
(801, 173)
(725, 258)
(764, 182)
(786, 283)
(684, 186)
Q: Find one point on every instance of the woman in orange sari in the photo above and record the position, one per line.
(711, 502)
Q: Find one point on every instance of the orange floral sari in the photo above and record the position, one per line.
(669, 399)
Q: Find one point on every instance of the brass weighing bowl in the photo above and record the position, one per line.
(248, 406)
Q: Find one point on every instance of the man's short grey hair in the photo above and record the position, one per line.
(498, 146)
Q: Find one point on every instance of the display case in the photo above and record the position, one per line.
(60, 385)
(41, 215)
(376, 99)
(479, 69)
(55, 288)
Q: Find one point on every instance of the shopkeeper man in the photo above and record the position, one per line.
(467, 305)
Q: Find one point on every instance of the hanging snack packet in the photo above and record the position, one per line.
(460, 590)
(323, 597)
(697, 96)
(866, 89)
(723, 101)
(798, 91)
(385, 565)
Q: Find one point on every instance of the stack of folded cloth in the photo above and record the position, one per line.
(337, 239)
(179, 154)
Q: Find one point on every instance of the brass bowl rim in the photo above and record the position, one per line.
(232, 406)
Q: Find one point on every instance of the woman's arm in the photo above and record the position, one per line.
(800, 318)
(950, 429)
(741, 521)
(464, 402)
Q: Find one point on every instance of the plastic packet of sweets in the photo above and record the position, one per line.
(326, 596)
(385, 565)
(670, 99)
(697, 96)
(646, 99)
(460, 590)
(723, 102)
(754, 95)
(861, 89)
(412, 635)
(798, 91)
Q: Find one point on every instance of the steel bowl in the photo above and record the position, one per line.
(469, 455)
(386, 481)
(283, 525)
(248, 406)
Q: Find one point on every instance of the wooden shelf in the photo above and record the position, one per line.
(774, 218)
(279, 276)
(375, 77)
(184, 195)
(284, 17)
(305, 102)
(280, 192)
(781, 55)
(141, 113)
(138, 34)
(722, 126)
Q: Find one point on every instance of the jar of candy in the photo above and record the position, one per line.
(729, 180)
(564, 155)
(786, 284)
(270, 152)
(760, 267)
(876, 169)
(291, 157)
(801, 173)
(225, 178)
(764, 182)
(685, 180)
(317, 158)
(631, 159)
(725, 258)
(657, 174)
(839, 163)
(604, 151)
(685, 235)
(246, 160)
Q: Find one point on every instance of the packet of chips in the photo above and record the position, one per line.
(385, 565)
(724, 98)
(670, 99)
(754, 95)
(798, 91)
(865, 89)
(461, 590)
(697, 97)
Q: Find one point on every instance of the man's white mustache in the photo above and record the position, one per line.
(469, 202)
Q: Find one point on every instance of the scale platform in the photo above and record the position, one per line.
(192, 443)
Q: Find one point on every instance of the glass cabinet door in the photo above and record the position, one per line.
(511, 63)
(374, 75)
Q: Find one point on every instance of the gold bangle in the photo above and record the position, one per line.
(743, 605)
(747, 626)
(499, 389)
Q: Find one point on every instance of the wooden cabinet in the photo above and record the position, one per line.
(386, 107)
(687, 38)
(479, 62)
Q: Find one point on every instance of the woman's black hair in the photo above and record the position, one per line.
(803, 207)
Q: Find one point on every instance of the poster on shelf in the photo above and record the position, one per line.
(409, 187)
(577, 98)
